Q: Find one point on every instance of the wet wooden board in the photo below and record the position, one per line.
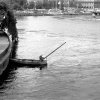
(4, 43)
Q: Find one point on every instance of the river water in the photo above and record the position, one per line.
(73, 71)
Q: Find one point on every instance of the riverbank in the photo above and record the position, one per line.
(50, 12)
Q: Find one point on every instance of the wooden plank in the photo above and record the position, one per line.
(4, 43)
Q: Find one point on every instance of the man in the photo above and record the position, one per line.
(41, 58)
(8, 20)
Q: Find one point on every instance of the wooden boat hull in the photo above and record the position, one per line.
(5, 50)
(28, 62)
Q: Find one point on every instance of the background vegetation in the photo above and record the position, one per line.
(23, 4)
(16, 4)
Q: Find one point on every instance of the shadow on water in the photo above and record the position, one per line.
(14, 50)
(7, 77)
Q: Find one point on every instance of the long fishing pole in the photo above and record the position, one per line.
(54, 50)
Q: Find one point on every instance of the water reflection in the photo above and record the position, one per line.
(7, 78)
(14, 50)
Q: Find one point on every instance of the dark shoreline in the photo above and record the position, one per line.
(21, 13)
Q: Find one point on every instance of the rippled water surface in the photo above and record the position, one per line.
(73, 71)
